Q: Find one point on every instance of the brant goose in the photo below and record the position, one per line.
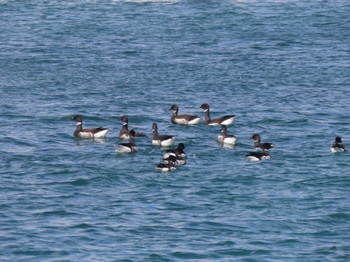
(225, 120)
(177, 161)
(88, 132)
(124, 131)
(178, 152)
(257, 156)
(128, 147)
(257, 144)
(169, 166)
(225, 138)
(338, 146)
(161, 140)
(183, 119)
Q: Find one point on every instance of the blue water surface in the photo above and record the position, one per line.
(281, 66)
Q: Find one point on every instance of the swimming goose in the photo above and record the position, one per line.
(258, 155)
(88, 132)
(124, 131)
(161, 140)
(257, 143)
(338, 146)
(128, 147)
(169, 166)
(226, 138)
(178, 152)
(177, 160)
(225, 120)
(184, 119)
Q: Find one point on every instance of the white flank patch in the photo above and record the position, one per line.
(121, 149)
(102, 133)
(167, 154)
(165, 169)
(168, 142)
(155, 142)
(165, 143)
(252, 159)
(181, 121)
(85, 135)
(337, 150)
(194, 121)
(220, 139)
(228, 121)
(230, 140)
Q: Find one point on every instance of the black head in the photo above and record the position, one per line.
(338, 140)
(77, 118)
(256, 137)
(174, 107)
(154, 127)
(223, 128)
(204, 106)
(124, 119)
(181, 146)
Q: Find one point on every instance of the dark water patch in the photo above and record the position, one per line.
(157, 257)
(83, 226)
(340, 217)
(188, 255)
(80, 182)
(260, 253)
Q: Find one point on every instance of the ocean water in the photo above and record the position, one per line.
(282, 67)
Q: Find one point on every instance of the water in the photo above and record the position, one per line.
(283, 67)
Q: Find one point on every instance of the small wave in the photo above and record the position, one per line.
(80, 182)
(146, 1)
(256, 1)
(82, 226)
(188, 254)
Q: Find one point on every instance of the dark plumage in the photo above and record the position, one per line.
(161, 140)
(97, 132)
(124, 131)
(184, 119)
(177, 152)
(225, 138)
(168, 166)
(177, 160)
(338, 146)
(257, 143)
(259, 155)
(128, 147)
(225, 120)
